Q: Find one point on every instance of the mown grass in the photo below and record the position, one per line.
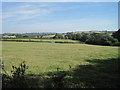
(46, 57)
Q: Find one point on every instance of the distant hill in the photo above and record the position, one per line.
(33, 34)
(44, 33)
(53, 33)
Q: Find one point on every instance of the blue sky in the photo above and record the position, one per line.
(59, 16)
(60, 0)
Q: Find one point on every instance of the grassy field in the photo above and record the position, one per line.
(46, 57)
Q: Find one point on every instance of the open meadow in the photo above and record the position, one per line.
(60, 65)
(46, 57)
(68, 44)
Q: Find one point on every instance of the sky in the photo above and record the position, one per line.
(60, 0)
(60, 17)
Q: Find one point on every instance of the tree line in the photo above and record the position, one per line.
(93, 38)
(105, 38)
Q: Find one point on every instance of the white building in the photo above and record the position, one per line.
(6, 36)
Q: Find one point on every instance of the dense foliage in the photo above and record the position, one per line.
(94, 38)
(103, 38)
(117, 35)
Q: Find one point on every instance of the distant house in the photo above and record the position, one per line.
(6, 36)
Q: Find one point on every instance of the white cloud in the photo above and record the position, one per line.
(30, 10)
(64, 26)
(26, 11)
(25, 6)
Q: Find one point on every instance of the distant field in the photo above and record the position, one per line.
(45, 57)
(47, 40)
(0, 49)
(48, 36)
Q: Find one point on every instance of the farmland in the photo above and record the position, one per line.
(60, 65)
(46, 57)
(44, 40)
(59, 45)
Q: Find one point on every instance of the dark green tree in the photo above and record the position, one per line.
(117, 35)
(58, 36)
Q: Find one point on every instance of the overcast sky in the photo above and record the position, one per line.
(59, 16)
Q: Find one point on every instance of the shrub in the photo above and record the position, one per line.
(18, 77)
(117, 35)
(116, 44)
(19, 72)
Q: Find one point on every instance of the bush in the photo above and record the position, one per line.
(116, 44)
(117, 35)
(19, 72)
(101, 39)
(18, 77)
(108, 43)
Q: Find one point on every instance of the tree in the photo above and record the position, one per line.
(117, 35)
(41, 36)
(84, 37)
(18, 35)
(78, 36)
(101, 39)
(25, 36)
(58, 36)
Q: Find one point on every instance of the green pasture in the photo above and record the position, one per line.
(46, 57)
